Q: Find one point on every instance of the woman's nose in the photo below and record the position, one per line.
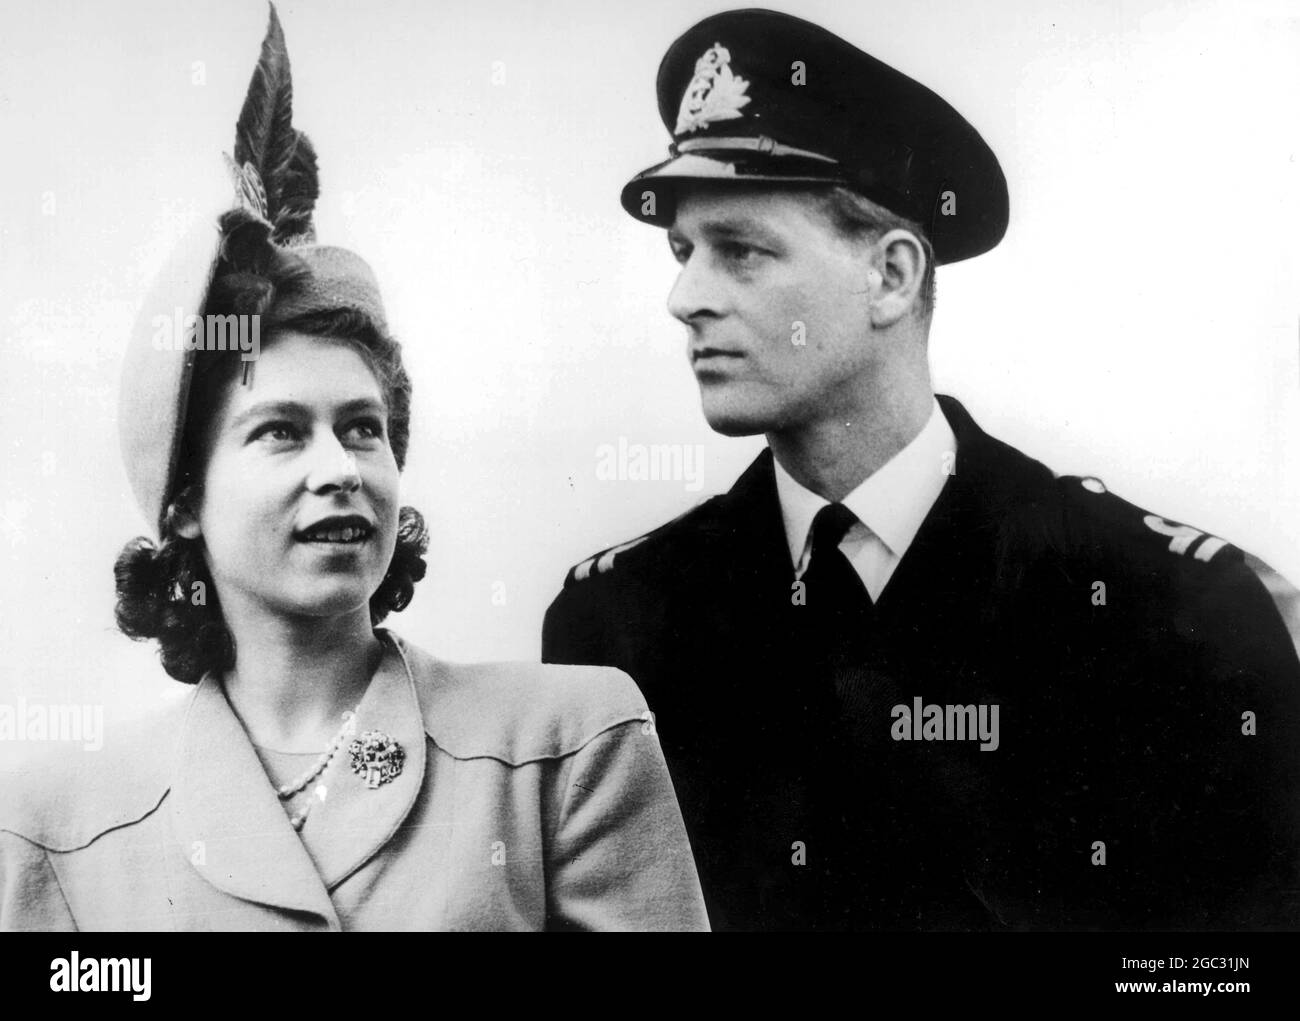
(334, 467)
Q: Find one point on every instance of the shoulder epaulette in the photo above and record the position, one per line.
(1177, 538)
(603, 562)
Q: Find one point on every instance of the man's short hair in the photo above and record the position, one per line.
(857, 218)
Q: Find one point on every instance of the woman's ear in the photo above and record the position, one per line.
(182, 520)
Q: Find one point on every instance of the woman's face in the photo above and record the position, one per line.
(299, 503)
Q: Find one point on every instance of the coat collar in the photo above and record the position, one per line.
(752, 516)
(985, 526)
(977, 521)
(891, 503)
(235, 831)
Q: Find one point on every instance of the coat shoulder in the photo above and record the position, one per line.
(518, 712)
(64, 798)
(658, 551)
(1206, 584)
(1110, 527)
(1077, 519)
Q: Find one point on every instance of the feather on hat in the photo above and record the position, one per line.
(268, 236)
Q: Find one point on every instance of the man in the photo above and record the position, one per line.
(904, 676)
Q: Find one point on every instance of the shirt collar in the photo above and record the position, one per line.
(892, 502)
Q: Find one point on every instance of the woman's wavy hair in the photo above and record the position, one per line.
(157, 585)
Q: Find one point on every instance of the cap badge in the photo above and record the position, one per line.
(714, 94)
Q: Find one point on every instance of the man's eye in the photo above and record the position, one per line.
(277, 432)
(735, 251)
(681, 253)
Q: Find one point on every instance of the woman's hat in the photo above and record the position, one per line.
(269, 223)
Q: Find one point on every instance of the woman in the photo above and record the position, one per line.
(325, 774)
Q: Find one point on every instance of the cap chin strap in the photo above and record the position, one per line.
(762, 143)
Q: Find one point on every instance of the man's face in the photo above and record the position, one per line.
(776, 307)
(300, 495)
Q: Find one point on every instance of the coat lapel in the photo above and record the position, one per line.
(755, 764)
(354, 821)
(230, 824)
(739, 601)
(952, 552)
(745, 555)
(233, 828)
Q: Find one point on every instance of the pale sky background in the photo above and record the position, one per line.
(1140, 322)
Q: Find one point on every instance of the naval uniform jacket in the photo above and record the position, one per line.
(531, 797)
(1130, 659)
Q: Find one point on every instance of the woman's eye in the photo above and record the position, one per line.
(278, 432)
(367, 429)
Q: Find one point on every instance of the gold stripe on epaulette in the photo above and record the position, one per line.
(605, 562)
(1209, 547)
(1182, 537)
(602, 562)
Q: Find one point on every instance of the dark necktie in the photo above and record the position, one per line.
(839, 617)
(838, 610)
(832, 587)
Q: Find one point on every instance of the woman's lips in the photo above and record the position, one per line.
(342, 551)
(336, 530)
(337, 542)
(326, 546)
(336, 536)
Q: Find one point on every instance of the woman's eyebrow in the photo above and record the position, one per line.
(292, 409)
(288, 408)
(362, 404)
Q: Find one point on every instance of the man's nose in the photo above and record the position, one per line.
(333, 467)
(695, 292)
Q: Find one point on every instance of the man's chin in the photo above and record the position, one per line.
(730, 420)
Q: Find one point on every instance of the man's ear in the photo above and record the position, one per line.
(901, 259)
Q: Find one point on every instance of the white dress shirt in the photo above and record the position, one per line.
(890, 505)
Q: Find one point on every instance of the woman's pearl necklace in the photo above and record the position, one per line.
(288, 790)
